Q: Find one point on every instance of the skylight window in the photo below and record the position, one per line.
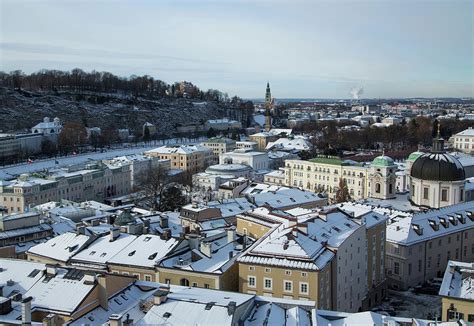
(132, 253)
(92, 253)
(147, 239)
(103, 254)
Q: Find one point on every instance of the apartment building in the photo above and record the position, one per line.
(305, 255)
(219, 146)
(323, 174)
(420, 247)
(456, 292)
(192, 158)
(94, 181)
(464, 141)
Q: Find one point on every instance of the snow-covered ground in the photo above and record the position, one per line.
(413, 305)
(10, 171)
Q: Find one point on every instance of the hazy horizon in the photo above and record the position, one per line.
(312, 50)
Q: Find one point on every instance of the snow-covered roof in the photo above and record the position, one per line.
(24, 275)
(181, 149)
(194, 260)
(102, 249)
(458, 281)
(291, 247)
(282, 198)
(24, 231)
(60, 293)
(432, 224)
(289, 144)
(227, 207)
(144, 251)
(276, 174)
(62, 247)
(467, 132)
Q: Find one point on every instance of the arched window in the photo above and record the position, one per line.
(184, 282)
(377, 188)
(390, 188)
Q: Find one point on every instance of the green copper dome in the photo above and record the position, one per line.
(413, 156)
(383, 161)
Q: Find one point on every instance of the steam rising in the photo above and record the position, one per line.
(356, 92)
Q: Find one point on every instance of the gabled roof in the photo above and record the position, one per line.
(144, 251)
(62, 247)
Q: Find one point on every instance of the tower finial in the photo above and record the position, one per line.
(383, 151)
(439, 130)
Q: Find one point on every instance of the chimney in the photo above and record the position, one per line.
(161, 295)
(89, 278)
(103, 295)
(50, 320)
(164, 221)
(230, 234)
(244, 242)
(95, 222)
(114, 233)
(115, 320)
(51, 270)
(193, 240)
(80, 229)
(206, 248)
(231, 308)
(166, 235)
(231, 255)
(26, 311)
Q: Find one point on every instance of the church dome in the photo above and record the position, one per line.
(437, 167)
(383, 161)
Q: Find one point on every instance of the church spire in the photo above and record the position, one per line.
(438, 142)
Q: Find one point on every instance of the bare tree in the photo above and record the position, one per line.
(153, 182)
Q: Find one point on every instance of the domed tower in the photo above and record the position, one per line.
(437, 178)
(382, 177)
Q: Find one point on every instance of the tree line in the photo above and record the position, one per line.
(331, 139)
(78, 80)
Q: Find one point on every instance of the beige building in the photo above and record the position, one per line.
(206, 262)
(419, 247)
(219, 146)
(323, 174)
(192, 158)
(464, 141)
(304, 255)
(457, 292)
(92, 182)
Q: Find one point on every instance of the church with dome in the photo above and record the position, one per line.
(438, 178)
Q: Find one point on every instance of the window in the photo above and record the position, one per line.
(304, 289)
(252, 281)
(444, 194)
(409, 269)
(287, 272)
(148, 278)
(425, 192)
(184, 282)
(304, 274)
(268, 270)
(206, 286)
(267, 283)
(454, 315)
(377, 188)
(288, 286)
(396, 268)
(251, 268)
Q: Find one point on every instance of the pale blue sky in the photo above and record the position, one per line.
(313, 49)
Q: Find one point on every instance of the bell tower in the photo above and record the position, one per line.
(268, 105)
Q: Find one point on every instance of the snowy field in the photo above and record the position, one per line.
(10, 171)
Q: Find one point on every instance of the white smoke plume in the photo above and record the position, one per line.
(356, 92)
